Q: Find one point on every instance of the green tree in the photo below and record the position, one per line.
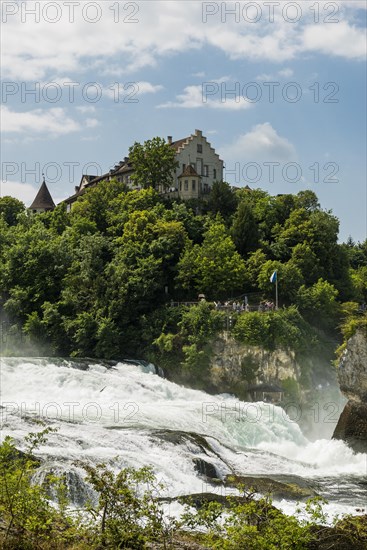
(357, 253)
(124, 204)
(193, 223)
(107, 336)
(82, 331)
(284, 329)
(84, 283)
(244, 231)
(10, 208)
(254, 264)
(33, 269)
(57, 220)
(306, 199)
(94, 204)
(318, 300)
(222, 199)
(154, 163)
(264, 209)
(306, 260)
(289, 280)
(215, 267)
(359, 280)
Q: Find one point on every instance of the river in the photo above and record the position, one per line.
(126, 415)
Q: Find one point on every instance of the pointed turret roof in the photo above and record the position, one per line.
(43, 198)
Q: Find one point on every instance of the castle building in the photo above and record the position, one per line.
(199, 166)
(43, 201)
(189, 184)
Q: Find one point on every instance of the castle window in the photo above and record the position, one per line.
(186, 186)
(206, 170)
(214, 174)
(193, 185)
(199, 148)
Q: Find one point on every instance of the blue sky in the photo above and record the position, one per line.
(107, 74)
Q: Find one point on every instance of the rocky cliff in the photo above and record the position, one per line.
(352, 375)
(235, 366)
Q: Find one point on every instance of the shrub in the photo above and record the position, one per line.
(28, 519)
(127, 514)
(284, 328)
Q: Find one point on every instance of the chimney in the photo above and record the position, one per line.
(76, 188)
(169, 139)
(198, 133)
(126, 159)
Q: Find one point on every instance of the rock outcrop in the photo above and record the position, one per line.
(352, 373)
(352, 424)
(234, 366)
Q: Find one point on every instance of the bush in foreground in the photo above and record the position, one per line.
(128, 514)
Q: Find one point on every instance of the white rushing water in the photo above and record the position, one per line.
(127, 416)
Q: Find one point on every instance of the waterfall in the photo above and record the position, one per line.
(125, 415)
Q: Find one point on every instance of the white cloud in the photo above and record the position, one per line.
(91, 122)
(86, 109)
(194, 97)
(148, 88)
(22, 191)
(53, 121)
(43, 123)
(265, 77)
(129, 91)
(286, 73)
(340, 39)
(164, 29)
(261, 143)
(25, 192)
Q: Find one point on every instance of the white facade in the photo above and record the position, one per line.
(194, 150)
(198, 152)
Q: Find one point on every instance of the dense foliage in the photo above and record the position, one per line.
(100, 280)
(153, 163)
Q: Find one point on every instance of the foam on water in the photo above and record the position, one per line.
(114, 415)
